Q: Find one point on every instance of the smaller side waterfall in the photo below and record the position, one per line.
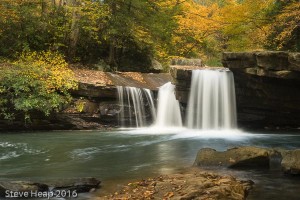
(168, 110)
(212, 102)
(136, 104)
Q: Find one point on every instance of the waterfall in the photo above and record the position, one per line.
(212, 102)
(136, 104)
(168, 110)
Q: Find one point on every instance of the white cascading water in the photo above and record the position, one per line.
(168, 109)
(212, 103)
(134, 103)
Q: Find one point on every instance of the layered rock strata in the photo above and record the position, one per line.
(267, 88)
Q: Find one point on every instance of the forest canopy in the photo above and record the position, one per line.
(130, 34)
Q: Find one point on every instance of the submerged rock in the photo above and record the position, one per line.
(239, 157)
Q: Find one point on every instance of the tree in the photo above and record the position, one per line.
(244, 23)
(284, 31)
(197, 24)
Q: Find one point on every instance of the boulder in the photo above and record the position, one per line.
(21, 186)
(291, 162)
(155, 65)
(238, 157)
(81, 185)
(185, 186)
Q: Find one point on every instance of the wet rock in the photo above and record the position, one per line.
(182, 72)
(291, 162)
(81, 185)
(21, 186)
(109, 112)
(239, 157)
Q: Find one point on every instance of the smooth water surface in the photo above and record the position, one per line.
(127, 154)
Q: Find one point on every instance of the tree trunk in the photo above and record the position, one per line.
(112, 45)
(44, 7)
(74, 36)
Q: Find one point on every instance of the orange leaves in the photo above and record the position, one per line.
(168, 195)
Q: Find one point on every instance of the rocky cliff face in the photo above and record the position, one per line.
(267, 88)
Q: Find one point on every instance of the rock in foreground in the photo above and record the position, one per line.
(21, 186)
(196, 185)
(79, 185)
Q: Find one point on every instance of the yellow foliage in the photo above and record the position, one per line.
(56, 74)
(195, 24)
(243, 23)
(288, 20)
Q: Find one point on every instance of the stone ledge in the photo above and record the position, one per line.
(187, 62)
(282, 74)
(275, 64)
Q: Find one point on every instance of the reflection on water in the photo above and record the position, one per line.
(130, 154)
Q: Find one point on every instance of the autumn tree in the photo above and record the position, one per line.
(284, 31)
(197, 26)
(244, 23)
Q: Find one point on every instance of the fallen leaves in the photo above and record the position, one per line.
(199, 185)
(135, 76)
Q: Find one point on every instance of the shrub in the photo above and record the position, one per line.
(36, 82)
